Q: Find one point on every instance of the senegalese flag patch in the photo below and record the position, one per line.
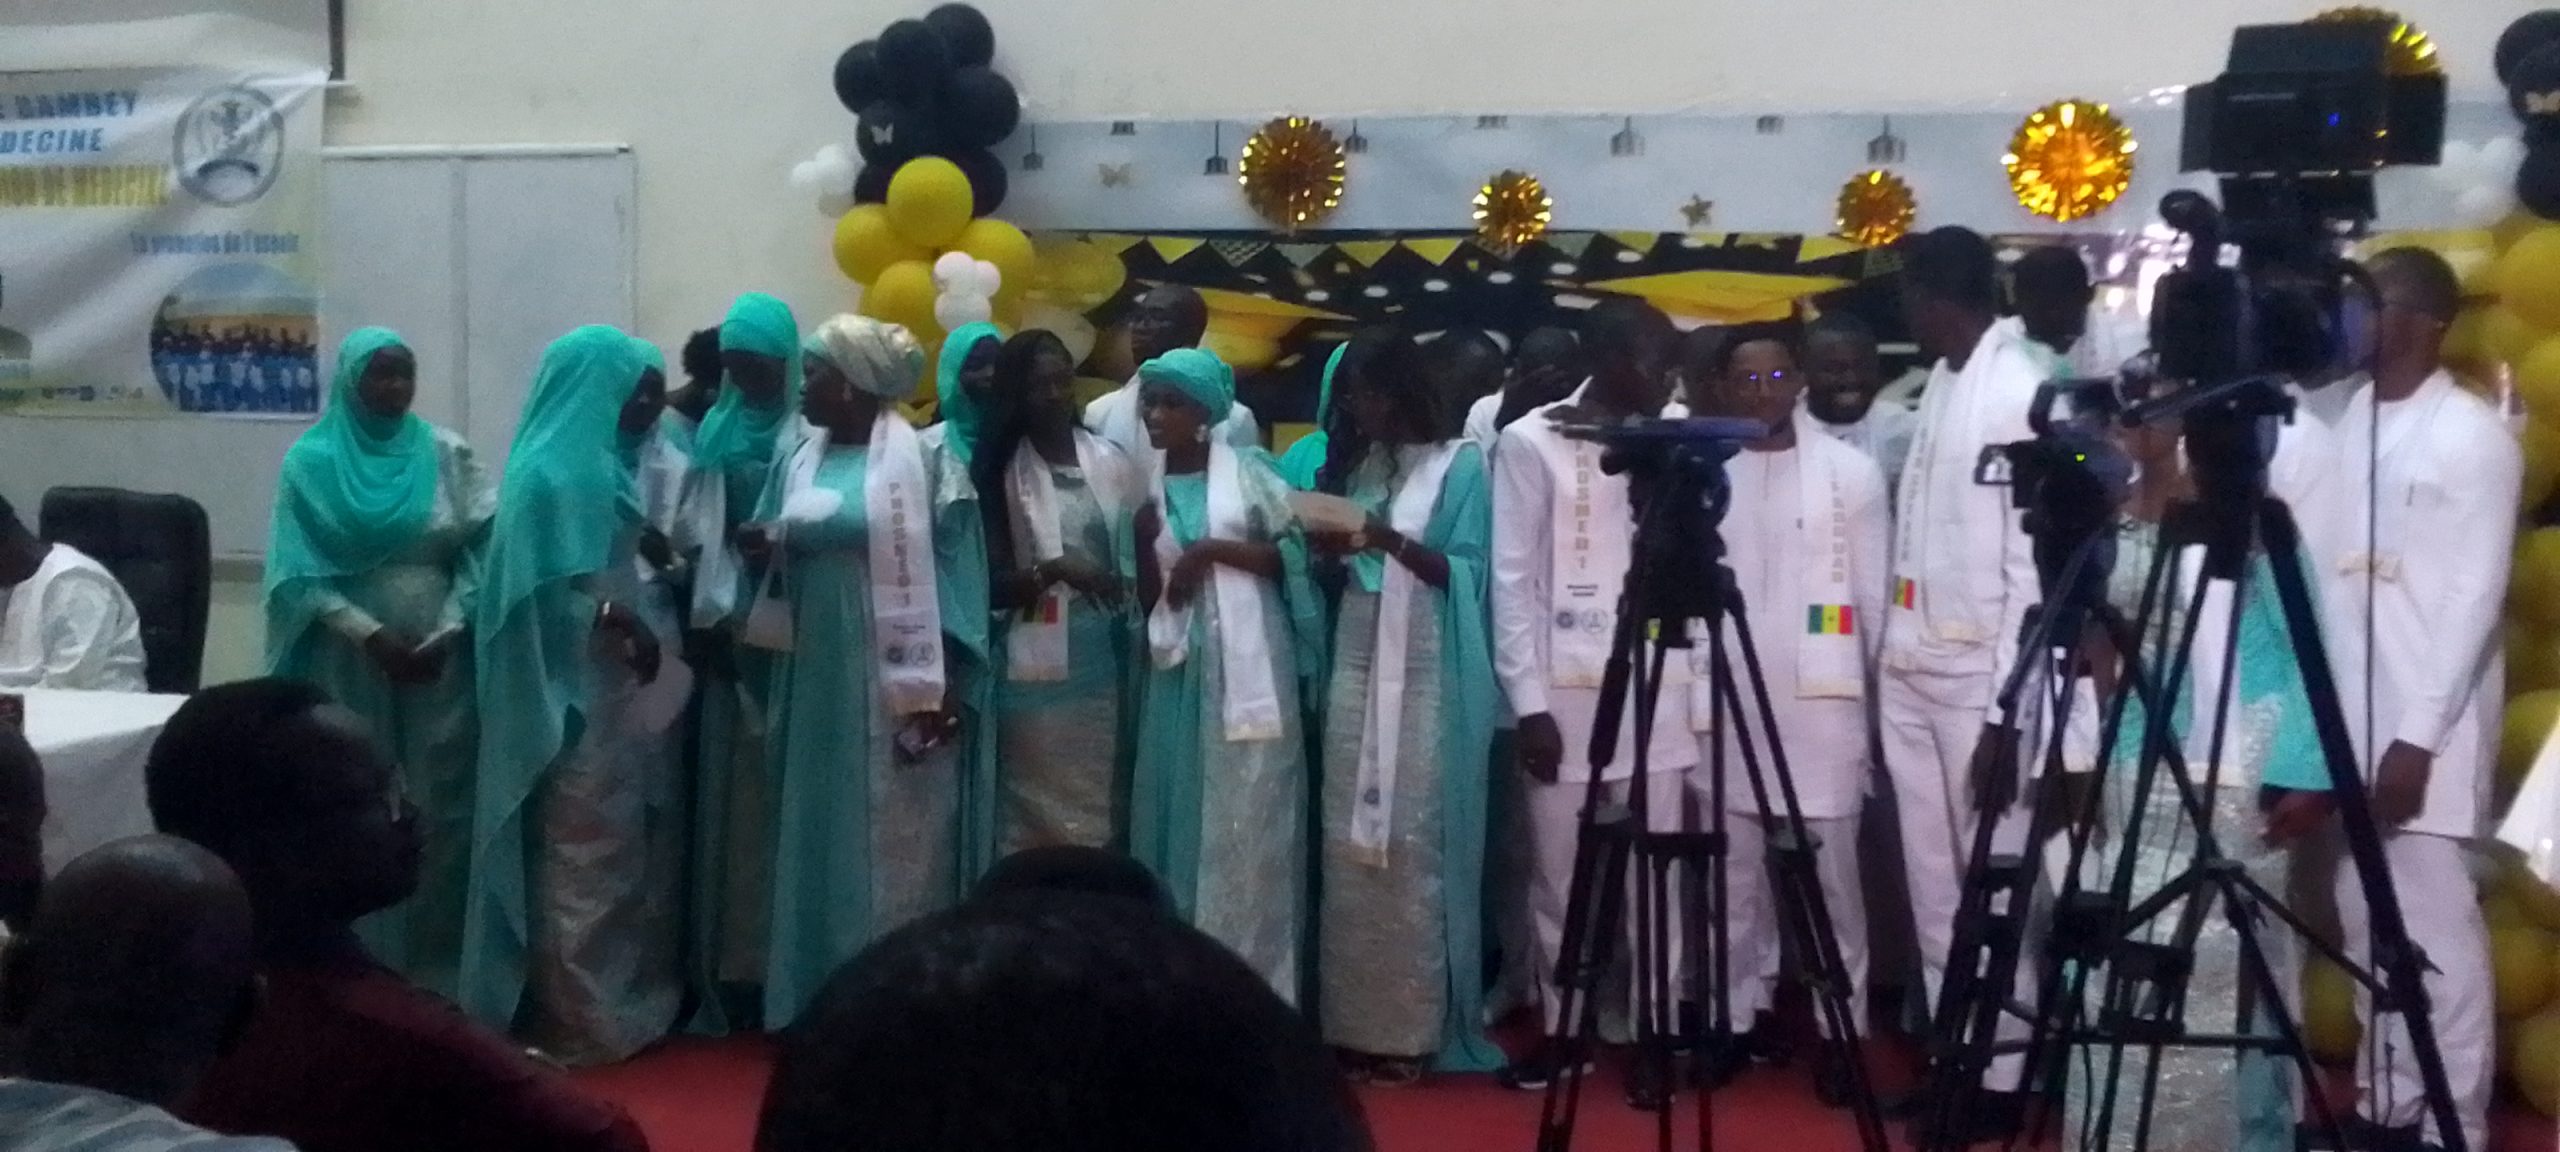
(1048, 609)
(1906, 594)
(1830, 620)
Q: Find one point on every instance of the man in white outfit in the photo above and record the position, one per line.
(64, 620)
(2427, 488)
(1844, 382)
(2073, 335)
(1963, 578)
(1544, 370)
(1560, 553)
(1169, 316)
(1805, 534)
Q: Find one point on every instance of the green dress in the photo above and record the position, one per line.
(1223, 822)
(1401, 936)
(865, 840)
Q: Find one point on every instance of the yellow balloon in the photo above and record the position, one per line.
(2537, 377)
(2521, 960)
(2533, 581)
(2529, 721)
(929, 201)
(2539, 903)
(2535, 1071)
(1002, 245)
(2464, 343)
(903, 294)
(2507, 336)
(2533, 664)
(2541, 462)
(2513, 228)
(2501, 911)
(866, 243)
(2529, 277)
(2329, 1026)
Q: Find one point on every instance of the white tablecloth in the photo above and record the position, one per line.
(93, 745)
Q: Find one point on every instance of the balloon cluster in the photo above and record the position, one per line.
(2528, 59)
(926, 88)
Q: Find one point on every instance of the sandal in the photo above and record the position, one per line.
(1395, 1072)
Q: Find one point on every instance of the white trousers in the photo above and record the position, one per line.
(1754, 934)
(1931, 723)
(1555, 812)
(2429, 875)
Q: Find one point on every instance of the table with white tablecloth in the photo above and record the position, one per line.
(93, 745)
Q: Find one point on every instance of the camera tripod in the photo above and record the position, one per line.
(2234, 519)
(1677, 575)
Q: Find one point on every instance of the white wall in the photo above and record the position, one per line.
(719, 99)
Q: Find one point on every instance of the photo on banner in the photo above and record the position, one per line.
(159, 243)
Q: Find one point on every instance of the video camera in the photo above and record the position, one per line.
(1677, 488)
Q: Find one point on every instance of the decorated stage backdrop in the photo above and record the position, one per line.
(159, 247)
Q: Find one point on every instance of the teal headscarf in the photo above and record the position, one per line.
(1303, 464)
(568, 486)
(357, 488)
(736, 438)
(1198, 374)
(959, 410)
(650, 356)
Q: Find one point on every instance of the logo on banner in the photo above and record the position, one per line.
(230, 146)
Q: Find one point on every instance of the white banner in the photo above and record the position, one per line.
(159, 243)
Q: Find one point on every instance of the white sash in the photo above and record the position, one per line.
(1036, 646)
(1831, 655)
(1588, 562)
(906, 610)
(1936, 567)
(1373, 797)
(1252, 705)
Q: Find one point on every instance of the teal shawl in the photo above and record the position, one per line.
(356, 489)
(959, 411)
(1304, 460)
(567, 496)
(1461, 528)
(737, 439)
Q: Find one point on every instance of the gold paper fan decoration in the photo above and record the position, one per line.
(1875, 208)
(1512, 209)
(2069, 159)
(2411, 53)
(1292, 172)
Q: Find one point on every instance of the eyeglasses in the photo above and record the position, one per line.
(1770, 381)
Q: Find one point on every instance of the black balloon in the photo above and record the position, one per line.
(987, 180)
(2535, 80)
(914, 59)
(2530, 32)
(966, 33)
(859, 81)
(872, 185)
(979, 109)
(891, 133)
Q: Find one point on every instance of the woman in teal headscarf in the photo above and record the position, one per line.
(1219, 796)
(1303, 464)
(964, 390)
(1408, 725)
(1060, 507)
(557, 938)
(964, 397)
(372, 566)
(870, 800)
(730, 881)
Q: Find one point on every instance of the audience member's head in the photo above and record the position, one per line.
(2420, 296)
(294, 793)
(2050, 289)
(1629, 343)
(1069, 869)
(21, 828)
(1950, 290)
(137, 972)
(1080, 1024)
(1548, 369)
(1843, 374)
(1169, 316)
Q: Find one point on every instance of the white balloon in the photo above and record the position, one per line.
(836, 169)
(956, 312)
(2484, 205)
(955, 271)
(2458, 155)
(2502, 156)
(990, 278)
(832, 155)
(833, 203)
(804, 176)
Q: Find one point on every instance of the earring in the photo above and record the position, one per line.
(1201, 434)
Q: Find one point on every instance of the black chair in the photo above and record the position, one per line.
(161, 549)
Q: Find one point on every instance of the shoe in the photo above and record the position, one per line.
(1722, 1056)
(1535, 1071)
(1648, 1088)
(1832, 1083)
(1990, 1117)
(1764, 1044)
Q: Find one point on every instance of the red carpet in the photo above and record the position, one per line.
(702, 1096)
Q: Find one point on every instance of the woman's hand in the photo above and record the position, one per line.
(1189, 570)
(1083, 576)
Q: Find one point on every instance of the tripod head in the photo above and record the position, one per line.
(2069, 480)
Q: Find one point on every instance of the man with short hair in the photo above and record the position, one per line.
(1964, 576)
(1844, 386)
(1547, 369)
(64, 621)
(1561, 548)
(135, 976)
(1169, 316)
(1078, 1023)
(295, 795)
(2066, 330)
(2422, 532)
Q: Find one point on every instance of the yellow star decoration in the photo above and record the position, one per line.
(2069, 159)
(1698, 211)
